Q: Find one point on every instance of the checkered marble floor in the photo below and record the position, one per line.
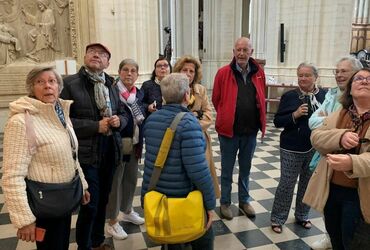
(239, 233)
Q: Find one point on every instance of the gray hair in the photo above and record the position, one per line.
(355, 63)
(35, 72)
(128, 61)
(315, 71)
(173, 88)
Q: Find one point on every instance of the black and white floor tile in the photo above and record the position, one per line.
(239, 233)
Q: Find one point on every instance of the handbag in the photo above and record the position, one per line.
(52, 200)
(127, 145)
(172, 220)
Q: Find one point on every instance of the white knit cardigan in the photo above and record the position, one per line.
(52, 162)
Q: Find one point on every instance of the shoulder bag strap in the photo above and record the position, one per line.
(163, 150)
(30, 133)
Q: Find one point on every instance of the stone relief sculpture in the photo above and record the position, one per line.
(9, 45)
(35, 31)
(44, 33)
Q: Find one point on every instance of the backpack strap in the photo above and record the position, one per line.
(163, 150)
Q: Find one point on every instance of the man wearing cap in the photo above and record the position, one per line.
(97, 119)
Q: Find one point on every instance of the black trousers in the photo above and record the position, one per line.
(56, 234)
(203, 243)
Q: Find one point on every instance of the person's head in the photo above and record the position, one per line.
(175, 88)
(345, 68)
(43, 4)
(97, 57)
(358, 88)
(307, 74)
(161, 68)
(189, 66)
(242, 51)
(128, 71)
(44, 84)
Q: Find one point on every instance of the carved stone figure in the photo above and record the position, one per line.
(9, 45)
(44, 33)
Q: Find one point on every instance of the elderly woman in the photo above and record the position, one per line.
(296, 107)
(39, 145)
(125, 177)
(340, 186)
(152, 91)
(200, 106)
(186, 167)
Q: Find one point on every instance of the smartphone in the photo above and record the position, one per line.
(40, 234)
(155, 104)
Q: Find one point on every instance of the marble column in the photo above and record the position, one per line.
(258, 34)
(184, 23)
(222, 25)
(315, 31)
(130, 29)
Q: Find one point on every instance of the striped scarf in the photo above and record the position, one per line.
(101, 93)
(129, 97)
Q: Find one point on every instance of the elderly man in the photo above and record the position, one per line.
(186, 166)
(97, 118)
(345, 69)
(239, 99)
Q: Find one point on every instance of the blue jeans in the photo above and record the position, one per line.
(246, 145)
(91, 218)
(342, 214)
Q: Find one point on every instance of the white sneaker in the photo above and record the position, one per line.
(116, 231)
(133, 217)
(322, 244)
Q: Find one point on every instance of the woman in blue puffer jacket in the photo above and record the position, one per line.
(186, 166)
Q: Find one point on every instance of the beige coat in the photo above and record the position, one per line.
(201, 103)
(325, 139)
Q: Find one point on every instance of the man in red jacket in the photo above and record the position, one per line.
(239, 99)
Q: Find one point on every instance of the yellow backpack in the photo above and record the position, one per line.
(172, 220)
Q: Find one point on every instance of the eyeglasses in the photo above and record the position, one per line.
(158, 66)
(364, 140)
(341, 71)
(100, 53)
(127, 70)
(43, 82)
(358, 79)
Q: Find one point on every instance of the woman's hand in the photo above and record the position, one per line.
(27, 233)
(85, 198)
(210, 217)
(301, 111)
(349, 140)
(339, 162)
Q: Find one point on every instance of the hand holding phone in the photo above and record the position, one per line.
(40, 234)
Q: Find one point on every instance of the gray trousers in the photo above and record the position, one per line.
(123, 188)
(291, 165)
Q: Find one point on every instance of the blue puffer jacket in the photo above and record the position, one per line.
(186, 166)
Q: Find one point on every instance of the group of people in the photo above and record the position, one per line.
(325, 142)
(110, 120)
